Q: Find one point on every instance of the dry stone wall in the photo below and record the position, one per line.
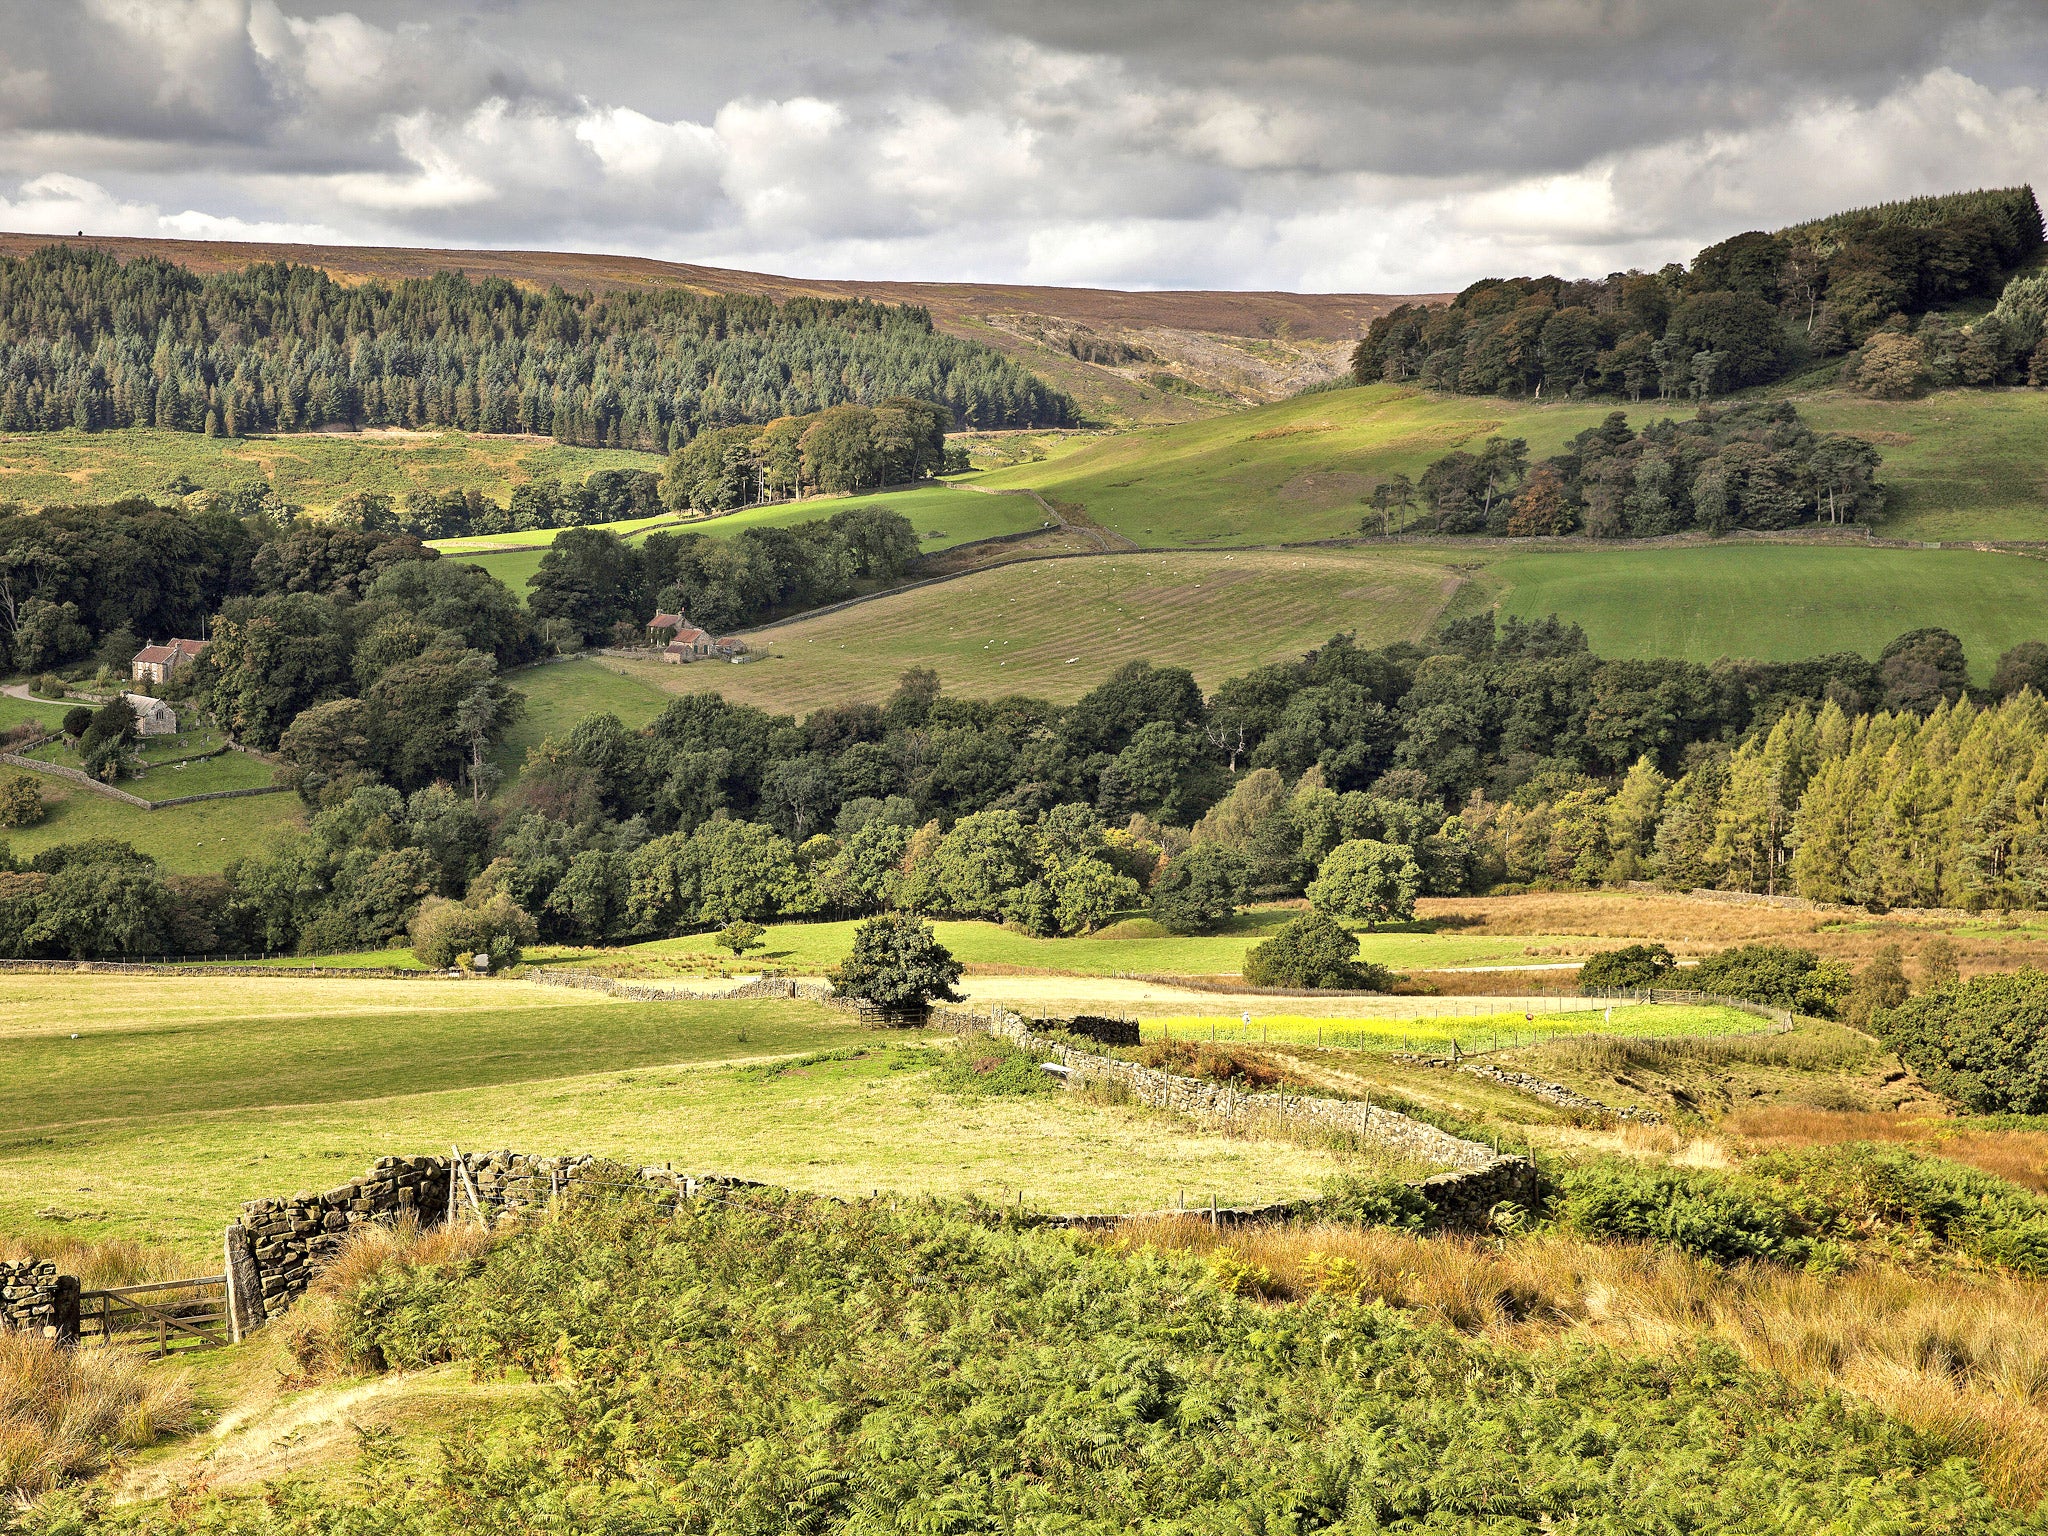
(1478, 1178)
(31, 1296)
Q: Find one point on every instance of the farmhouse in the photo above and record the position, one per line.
(155, 663)
(689, 643)
(153, 717)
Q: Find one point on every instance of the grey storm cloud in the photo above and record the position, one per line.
(1362, 144)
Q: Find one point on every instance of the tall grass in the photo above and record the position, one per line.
(1810, 1048)
(1961, 1357)
(66, 1413)
(317, 1333)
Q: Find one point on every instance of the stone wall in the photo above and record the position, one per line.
(29, 1295)
(1478, 1177)
(289, 1240)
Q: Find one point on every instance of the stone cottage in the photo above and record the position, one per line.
(153, 717)
(155, 663)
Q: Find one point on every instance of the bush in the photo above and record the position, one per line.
(1778, 976)
(1375, 1202)
(1200, 890)
(1314, 951)
(48, 685)
(21, 800)
(897, 963)
(1367, 881)
(1717, 1216)
(77, 721)
(739, 937)
(1983, 1042)
(990, 1069)
(450, 933)
(1633, 968)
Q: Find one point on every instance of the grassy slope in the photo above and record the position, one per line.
(15, 712)
(315, 469)
(943, 516)
(183, 839)
(1963, 463)
(1778, 603)
(174, 1105)
(560, 693)
(1054, 629)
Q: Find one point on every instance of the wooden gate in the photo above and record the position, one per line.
(165, 1316)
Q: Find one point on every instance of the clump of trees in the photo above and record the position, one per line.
(1748, 310)
(845, 448)
(91, 343)
(1983, 1042)
(1740, 466)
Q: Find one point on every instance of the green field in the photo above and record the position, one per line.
(175, 1103)
(1962, 463)
(183, 839)
(1054, 629)
(15, 712)
(943, 515)
(1134, 947)
(315, 469)
(560, 693)
(487, 543)
(1777, 603)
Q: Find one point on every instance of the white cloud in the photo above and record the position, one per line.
(58, 204)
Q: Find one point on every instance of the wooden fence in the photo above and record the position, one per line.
(164, 1316)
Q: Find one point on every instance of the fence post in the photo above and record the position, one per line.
(64, 1311)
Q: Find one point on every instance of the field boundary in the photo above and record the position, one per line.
(87, 781)
(225, 968)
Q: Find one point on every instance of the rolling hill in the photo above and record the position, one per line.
(1162, 356)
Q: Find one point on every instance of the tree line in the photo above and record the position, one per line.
(90, 343)
(1359, 777)
(1738, 466)
(1868, 286)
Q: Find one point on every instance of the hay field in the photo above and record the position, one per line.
(1054, 629)
(178, 1101)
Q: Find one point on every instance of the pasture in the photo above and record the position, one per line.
(314, 469)
(1962, 464)
(173, 1104)
(943, 515)
(184, 839)
(1777, 602)
(1054, 629)
(1135, 947)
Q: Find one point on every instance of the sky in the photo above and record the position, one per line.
(1331, 146)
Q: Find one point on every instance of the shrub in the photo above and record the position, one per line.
(1982, 1042)
(1717, 1216)
(1314, 951)
(1879, 986)
(1375, 1202)
(1776, 975)
(48, 685)
(21, 800)
(1367, 881)
(1633, 968)
(449, 933)
(1200, 889)
(77, 721)
(897, 963)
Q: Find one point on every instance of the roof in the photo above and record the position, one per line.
(143, 704)
(170, 650)
(690, 635)
(667, 621)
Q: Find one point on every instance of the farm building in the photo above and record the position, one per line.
(153, 717)
(155, 663)
(689, 643)
(663, 627)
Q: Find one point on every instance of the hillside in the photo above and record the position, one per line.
(1208, 350)
(1960, 464)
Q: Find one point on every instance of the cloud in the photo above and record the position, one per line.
(1360, 144)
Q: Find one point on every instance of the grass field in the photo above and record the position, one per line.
(1775, 602)
(487, 543)
(172, 1106)
(15, 712)
(183, 839)
(315, 469)
(943, 515)
(1054, 629)
(560, 693)
(1136, 946)
(1962, 463)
